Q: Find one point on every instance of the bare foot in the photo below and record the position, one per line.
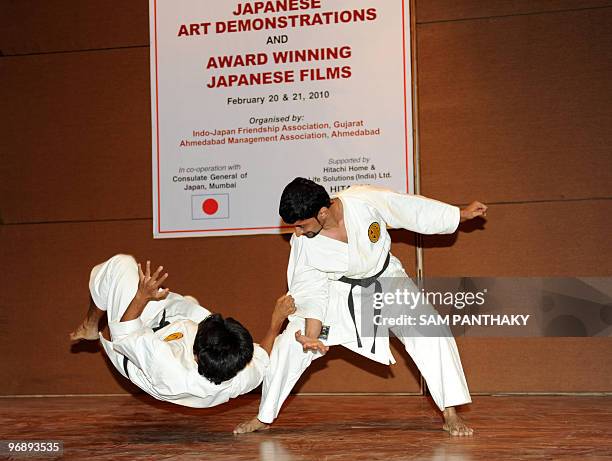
(251, 426)
(87, 330)
(454, 424)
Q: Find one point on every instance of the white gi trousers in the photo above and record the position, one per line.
(437, 358)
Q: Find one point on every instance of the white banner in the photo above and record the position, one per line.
(247, 96)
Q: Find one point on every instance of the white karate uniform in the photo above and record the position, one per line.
(162, 366)
(313, 273)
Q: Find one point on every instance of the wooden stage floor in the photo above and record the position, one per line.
(321, 428)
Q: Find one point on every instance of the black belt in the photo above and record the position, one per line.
(365, 283)
(125, 362)
(162, 323)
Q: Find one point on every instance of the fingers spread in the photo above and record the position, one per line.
(157, 272)
(157, 283)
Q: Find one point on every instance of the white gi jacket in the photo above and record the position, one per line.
(161, 363)
(316, 264)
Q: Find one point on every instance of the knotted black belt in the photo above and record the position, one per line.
(162, 323)
(365, 283)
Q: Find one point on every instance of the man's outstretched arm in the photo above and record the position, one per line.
(284, 307)
(417, 213)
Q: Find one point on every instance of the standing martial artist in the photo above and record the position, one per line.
(168, 345)
(339, 245)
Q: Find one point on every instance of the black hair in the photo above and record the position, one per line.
(302, 199)
(223, 347)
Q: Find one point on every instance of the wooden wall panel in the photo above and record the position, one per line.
(43, 26)
(517, 108)
(531, 239)
(515, 121)
(78, 137)
(453, 10)
(498, 365)
(45, 273)
(540, 240)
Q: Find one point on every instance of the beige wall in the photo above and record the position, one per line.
(514, 107)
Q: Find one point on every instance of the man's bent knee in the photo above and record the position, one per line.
(123, 260)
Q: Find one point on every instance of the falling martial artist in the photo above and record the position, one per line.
(168, 345)
(339, 245)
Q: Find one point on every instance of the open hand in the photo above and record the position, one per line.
(310, 344)
(149, 285)
(473, 210)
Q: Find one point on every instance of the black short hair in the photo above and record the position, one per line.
(223, 348)
(302, 199)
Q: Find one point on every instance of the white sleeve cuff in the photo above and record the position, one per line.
(121, 329)
(454, 220)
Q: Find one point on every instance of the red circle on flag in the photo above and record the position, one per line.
(210, 206)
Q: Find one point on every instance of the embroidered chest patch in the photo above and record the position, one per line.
(374, 232)
(173, 336)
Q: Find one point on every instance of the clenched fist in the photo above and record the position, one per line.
(285, 306)
(473, 210)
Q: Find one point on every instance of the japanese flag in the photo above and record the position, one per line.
(210, 206)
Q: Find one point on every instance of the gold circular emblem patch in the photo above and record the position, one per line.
(374, 232)
(173, 336)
